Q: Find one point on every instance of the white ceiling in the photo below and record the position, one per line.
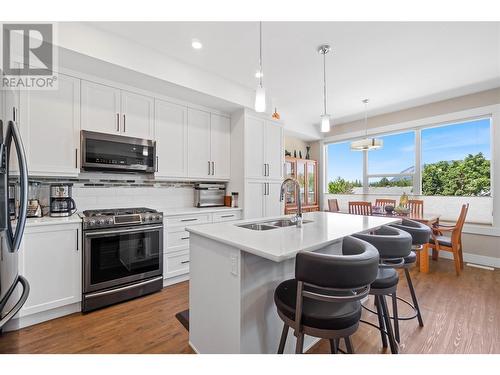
(396, 65)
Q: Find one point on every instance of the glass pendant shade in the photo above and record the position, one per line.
(260, 99)
(325, 123)
(367, 144)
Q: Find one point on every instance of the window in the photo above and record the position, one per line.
(345, 169)
(391, 169)
(456, 159)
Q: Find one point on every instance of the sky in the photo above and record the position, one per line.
(450, 142)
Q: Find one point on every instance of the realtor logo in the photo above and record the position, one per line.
(28, 56)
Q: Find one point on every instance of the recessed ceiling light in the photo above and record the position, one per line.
(259, 74)
(196, 44)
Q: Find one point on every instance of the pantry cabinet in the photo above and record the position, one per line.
(263, 149)
(49, 122)
(51, 260)
(107, 109)
(208, 145)
(262, 199)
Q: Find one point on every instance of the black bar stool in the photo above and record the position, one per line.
(420, 234)
(324, 298)
(393, 246)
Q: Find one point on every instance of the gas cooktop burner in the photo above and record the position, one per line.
(96, 219)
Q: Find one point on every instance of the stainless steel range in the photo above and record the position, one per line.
(123, 255)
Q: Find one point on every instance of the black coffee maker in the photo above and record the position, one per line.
(61, 202)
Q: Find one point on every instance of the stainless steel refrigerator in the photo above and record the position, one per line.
(14, 288)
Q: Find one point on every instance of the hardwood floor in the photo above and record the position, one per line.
(461, 315)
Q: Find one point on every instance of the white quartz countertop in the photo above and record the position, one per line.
(49, 220)
(197, 210)
(284, 243)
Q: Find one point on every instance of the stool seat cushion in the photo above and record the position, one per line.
(316, 314)
(443, 240)
(386, 278)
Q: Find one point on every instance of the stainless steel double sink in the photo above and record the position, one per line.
(271, 224)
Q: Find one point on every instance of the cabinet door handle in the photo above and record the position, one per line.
(124, 124)
(14, 114)
(189, 219)
(117, 122)
(209, 168)
(213, 168)
(226, 216)
(76, 158)
(157, 160)
(184, 238)
(77, 240)
(185, 261)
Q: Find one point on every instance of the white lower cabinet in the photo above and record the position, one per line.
(262, 199)
(176, 240)
(51, 261)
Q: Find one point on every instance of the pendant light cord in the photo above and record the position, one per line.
(366, 117)
(260, 53)
(324, 82)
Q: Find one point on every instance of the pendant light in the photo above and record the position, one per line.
(325, 117)
(260, 92)
(367, 144)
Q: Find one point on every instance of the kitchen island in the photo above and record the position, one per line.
(234, 271)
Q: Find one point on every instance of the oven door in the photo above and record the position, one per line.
(113, 257)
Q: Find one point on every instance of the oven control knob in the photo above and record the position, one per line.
(100, 222)
(91, 223)
(109, 221)
(158, 217)
(149, 218)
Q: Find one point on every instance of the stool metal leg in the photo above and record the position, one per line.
(388, 325)
(300, 343)
(395, 315)
(348, 345)
(380, 321)
(284, 334)
(334, 347)
(414, 297)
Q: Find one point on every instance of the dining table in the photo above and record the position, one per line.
(429, 219)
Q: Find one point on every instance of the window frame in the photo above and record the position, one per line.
(490, 111)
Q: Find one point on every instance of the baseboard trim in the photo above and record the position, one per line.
(474, 258)
(175, 280)
(42, 316)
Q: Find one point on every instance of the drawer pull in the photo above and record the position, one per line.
(184, 238)
(224, 216)
(185, 261)
(188, 220)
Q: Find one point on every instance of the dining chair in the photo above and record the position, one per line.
(416, 206)
(452, 243)
(384, 202)
(360, 208)
(333, 205)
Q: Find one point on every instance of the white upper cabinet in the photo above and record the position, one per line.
(137, 115)
(199, 162)
(220, 145)
(171, 139)
(110, 110)
(100, 108)
(263, 149)
(274, 150)
(50, 126)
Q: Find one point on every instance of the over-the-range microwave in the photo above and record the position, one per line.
(118, 153)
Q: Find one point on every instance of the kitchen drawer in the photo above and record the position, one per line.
(177, 240)
(186, 220)
(175, 264)
(226, 216)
